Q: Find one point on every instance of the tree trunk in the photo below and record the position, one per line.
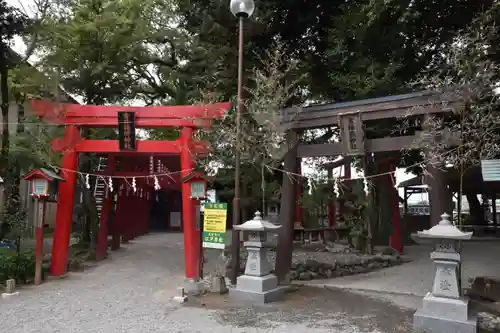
(475, 209)
(4, 88)
(13, 202)
(4, 106)
(287, 211)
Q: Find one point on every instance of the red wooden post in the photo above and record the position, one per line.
(149, 203)
(102, 240)
(332, 218)
(395, 240)
(40, 219)
(128, 215)
(145, 212)
(191, 235)
(117, 223)
(64, 214)
(107, 206)
(137, 221)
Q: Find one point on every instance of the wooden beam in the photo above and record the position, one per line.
(103, 122)
(144, 146)
(333, 165)
(210, 111)
(372, 146)
(370, 109)
(146, 116)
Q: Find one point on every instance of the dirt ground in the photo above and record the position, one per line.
(326, 309)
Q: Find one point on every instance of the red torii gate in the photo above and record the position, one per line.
(75, 116)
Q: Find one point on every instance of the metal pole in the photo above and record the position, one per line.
(235, 243)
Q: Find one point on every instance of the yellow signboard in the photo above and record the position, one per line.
(214, 225)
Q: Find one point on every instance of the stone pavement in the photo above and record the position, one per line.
(132, 292)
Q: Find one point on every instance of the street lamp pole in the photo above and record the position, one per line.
(242, 9)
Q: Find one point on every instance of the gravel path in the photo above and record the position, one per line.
(132, 291)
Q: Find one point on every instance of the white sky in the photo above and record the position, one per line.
(27, 7)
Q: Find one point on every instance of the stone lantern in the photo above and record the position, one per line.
(257, 285)
(445, 310)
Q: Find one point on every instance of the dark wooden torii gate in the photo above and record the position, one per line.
(75, 116)
(349, 117)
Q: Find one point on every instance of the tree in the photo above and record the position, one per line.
(468, 72)
(273, 83)
(100, 51)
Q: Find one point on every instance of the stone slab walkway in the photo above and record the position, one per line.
(132, 292)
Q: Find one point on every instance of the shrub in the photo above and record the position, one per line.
(13, 266)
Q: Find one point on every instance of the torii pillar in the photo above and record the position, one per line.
(192, 238)
(64, 215)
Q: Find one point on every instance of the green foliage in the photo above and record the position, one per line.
(16, 223)
(469, 74)
(12, 22)
(17, 266)
(31, 148)
(315, 201)
(355, 205)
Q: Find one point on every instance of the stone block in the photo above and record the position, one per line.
(192, 287)
(446, 279)
(257, 283)
(452, 309)
(218, 285)
(431, 324)
(10, 286)
(7, 295)
(246, 296)
(257, 263)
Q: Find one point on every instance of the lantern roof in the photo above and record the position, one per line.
(194, 176)
(257, 224)
(445, 230)
(43, 173)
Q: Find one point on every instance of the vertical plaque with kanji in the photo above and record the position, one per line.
(352, 134)
(126, 130)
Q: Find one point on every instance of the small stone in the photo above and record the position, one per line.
(313, 264)
(488, 322)
(394, 260)
(305, 276)
(301, 268)
(329, 265)
(486, 287)
(389, 251)
(10, 286)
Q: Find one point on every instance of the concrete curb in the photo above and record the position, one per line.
(348, 288)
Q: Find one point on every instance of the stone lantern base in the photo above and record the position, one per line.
(258, 285)
(444, 315)
(257, 289)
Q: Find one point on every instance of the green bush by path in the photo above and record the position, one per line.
(13, 266)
